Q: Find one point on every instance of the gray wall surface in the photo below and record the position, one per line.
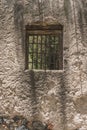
(59, 97)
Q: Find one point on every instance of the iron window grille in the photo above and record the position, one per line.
(44, 47)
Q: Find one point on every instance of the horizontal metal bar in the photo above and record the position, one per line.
(44, 32)
(44, 27)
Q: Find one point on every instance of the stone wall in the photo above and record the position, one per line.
(58, 98)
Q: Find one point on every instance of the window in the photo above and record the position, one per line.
(44, 47)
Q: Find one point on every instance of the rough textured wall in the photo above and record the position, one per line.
(58, 97)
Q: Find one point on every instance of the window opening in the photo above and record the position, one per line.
(44, 47)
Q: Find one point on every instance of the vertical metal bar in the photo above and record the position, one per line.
(26, 50)
(41, 52)
(32, 52)
(56, 44)
(50, 53)
(60, 51)
(45, 50)
(54, 52)
(57, 52)
(37, 52)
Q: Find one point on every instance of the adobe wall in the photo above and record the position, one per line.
(58, 97)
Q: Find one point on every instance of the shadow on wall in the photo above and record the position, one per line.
(84, 3)
(33, 92)
(34, 78)
(19, 22)
(62, 97)
(82, 18)
(63, 100)
(67, 9)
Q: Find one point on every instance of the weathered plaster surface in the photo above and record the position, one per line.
(59, 97)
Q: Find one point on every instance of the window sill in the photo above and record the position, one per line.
(46, 71)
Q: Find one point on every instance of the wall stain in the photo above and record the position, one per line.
(67, 9)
